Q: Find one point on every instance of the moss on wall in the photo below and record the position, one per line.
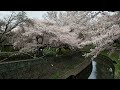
(115, 57)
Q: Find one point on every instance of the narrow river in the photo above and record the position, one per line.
(101, 69)
(93, 74)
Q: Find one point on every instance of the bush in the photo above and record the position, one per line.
(7, 48)
(4, 55)
(55, 51)
(50, 51)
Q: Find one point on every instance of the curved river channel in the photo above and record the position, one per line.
(102, 69)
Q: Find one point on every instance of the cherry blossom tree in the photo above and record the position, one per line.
(72, 29)
(12, 21)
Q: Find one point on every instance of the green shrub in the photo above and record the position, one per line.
(4, 55)
(50, 51)
(7, 49)
(55, 51)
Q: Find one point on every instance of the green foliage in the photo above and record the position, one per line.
(6, 48)
(50, 51)
(47, 51)
(114, 56)
(65, 51)
(87, 48)
(16, 57)
(55, 51)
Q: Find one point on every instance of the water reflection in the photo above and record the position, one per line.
(93, 73)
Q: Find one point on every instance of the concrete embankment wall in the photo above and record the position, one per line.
(38, 69)
(21, 69)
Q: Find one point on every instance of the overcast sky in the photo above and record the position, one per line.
(30, 14)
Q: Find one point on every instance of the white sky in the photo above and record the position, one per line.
(30, 14)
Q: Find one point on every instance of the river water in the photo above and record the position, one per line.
(93, 74)
(101, 69)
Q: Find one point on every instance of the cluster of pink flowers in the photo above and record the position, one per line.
(74, 28)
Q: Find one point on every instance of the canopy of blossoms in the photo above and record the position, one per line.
(76, 29)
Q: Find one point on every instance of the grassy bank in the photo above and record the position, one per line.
(115, 57)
